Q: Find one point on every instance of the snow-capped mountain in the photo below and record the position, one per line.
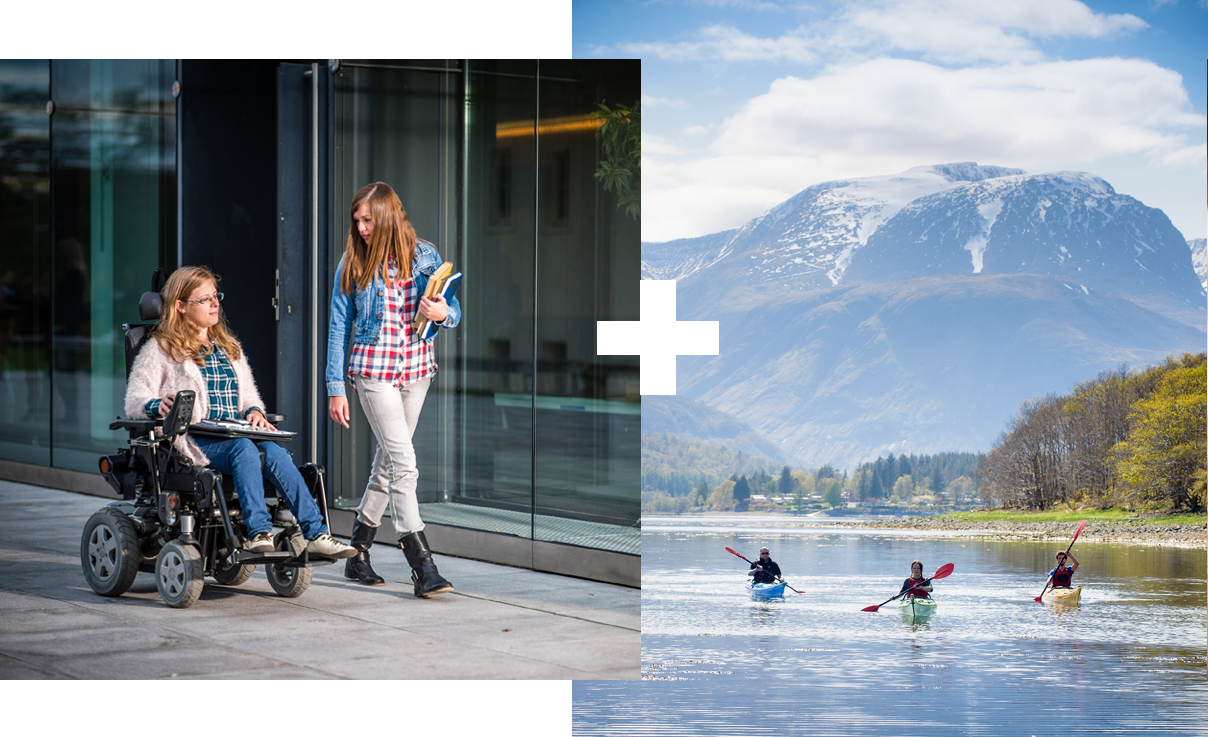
(916, 311)
(809, 239)
(1199, 258)
(679, 258)
(1069, 225)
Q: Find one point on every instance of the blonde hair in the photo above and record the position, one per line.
(393, 238)
(176, 335)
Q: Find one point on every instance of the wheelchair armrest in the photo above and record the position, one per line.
(140, 426)
(274, 418)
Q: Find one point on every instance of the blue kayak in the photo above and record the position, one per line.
(765, 590)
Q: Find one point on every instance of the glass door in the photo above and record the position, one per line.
(525, 431)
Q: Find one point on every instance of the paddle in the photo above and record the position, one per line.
(1067, 552)
(944, 571)
(732, 551)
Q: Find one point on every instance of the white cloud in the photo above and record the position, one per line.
(944, 30)
(971, 30)
(649, 101)
(653, 145)
(695, 130)
(1080, 110)
(887, 115)
(722, 42)
(744, 4)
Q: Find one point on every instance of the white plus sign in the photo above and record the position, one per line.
(658, 337)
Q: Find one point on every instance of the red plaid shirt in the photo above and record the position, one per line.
(394, 357)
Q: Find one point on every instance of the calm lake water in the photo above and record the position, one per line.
(1129, 660)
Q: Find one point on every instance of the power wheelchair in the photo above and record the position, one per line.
(181, 522)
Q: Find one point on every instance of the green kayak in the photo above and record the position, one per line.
(913, 606)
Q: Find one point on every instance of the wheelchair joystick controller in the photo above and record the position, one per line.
(177, 421)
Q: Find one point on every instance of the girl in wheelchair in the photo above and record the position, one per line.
(195, 349)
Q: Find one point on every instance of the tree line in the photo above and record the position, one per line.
(1131, 438)
(939, 475)
(683, 475)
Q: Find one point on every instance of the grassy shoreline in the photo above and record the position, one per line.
(1103, 525)
(1117, 516)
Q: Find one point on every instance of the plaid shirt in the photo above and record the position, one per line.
(394, 358)
(221, 386)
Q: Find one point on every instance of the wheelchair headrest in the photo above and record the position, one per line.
(150, 306)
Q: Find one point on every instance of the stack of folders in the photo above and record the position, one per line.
(443, 283)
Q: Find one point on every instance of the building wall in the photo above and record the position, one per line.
(526, 437)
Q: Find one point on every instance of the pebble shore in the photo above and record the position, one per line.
(1129, 533)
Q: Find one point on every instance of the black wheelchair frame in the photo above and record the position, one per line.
(183, 522)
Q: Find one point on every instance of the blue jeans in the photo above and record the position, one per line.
(239, 458)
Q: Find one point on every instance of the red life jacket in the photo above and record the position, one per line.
(1061, 577)
(918, 593)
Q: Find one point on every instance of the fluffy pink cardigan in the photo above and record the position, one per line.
(155, 374)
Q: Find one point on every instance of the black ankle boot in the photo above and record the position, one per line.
(358, 568)
(428, 580)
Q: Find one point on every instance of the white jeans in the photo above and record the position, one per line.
(393, 413)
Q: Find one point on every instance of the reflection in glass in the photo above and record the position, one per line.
(24, 261)
(393, 125)
(498, 342)
(525, 431)
(588, 410)
(113, 205)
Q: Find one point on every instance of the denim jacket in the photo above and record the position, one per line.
(362, 312)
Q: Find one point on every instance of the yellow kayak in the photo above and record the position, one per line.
(1063, 596)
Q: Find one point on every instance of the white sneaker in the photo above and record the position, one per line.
(330, 547)
(261, 543)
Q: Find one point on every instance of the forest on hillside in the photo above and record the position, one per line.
(1131, 438)
(681, 475)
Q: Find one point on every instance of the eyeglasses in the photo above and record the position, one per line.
(213, 299)
(764, 552)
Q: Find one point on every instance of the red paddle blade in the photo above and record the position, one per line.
(1076, 534)
(732, 551)
(1037, 600)
(872, 608)
(944, 571)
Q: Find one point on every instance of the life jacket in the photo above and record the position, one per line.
(1061, 577)
(764, 576)
(918, 593)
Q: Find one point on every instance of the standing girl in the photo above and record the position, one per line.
(378, 291)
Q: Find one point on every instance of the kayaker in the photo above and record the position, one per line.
(918, 586)
(765, 569)
(1062, 575)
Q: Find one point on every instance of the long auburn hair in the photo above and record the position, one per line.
(176, 335)
(393, 238)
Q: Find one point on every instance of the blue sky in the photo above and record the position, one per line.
(746, 102)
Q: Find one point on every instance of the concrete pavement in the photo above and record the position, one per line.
(501, 622)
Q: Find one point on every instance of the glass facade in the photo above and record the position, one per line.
(74, 264)
(525, 430)
(25, 264)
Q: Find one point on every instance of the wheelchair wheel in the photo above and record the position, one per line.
(289, 581)
(234, 575)
(109, 552)
(178, 574)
